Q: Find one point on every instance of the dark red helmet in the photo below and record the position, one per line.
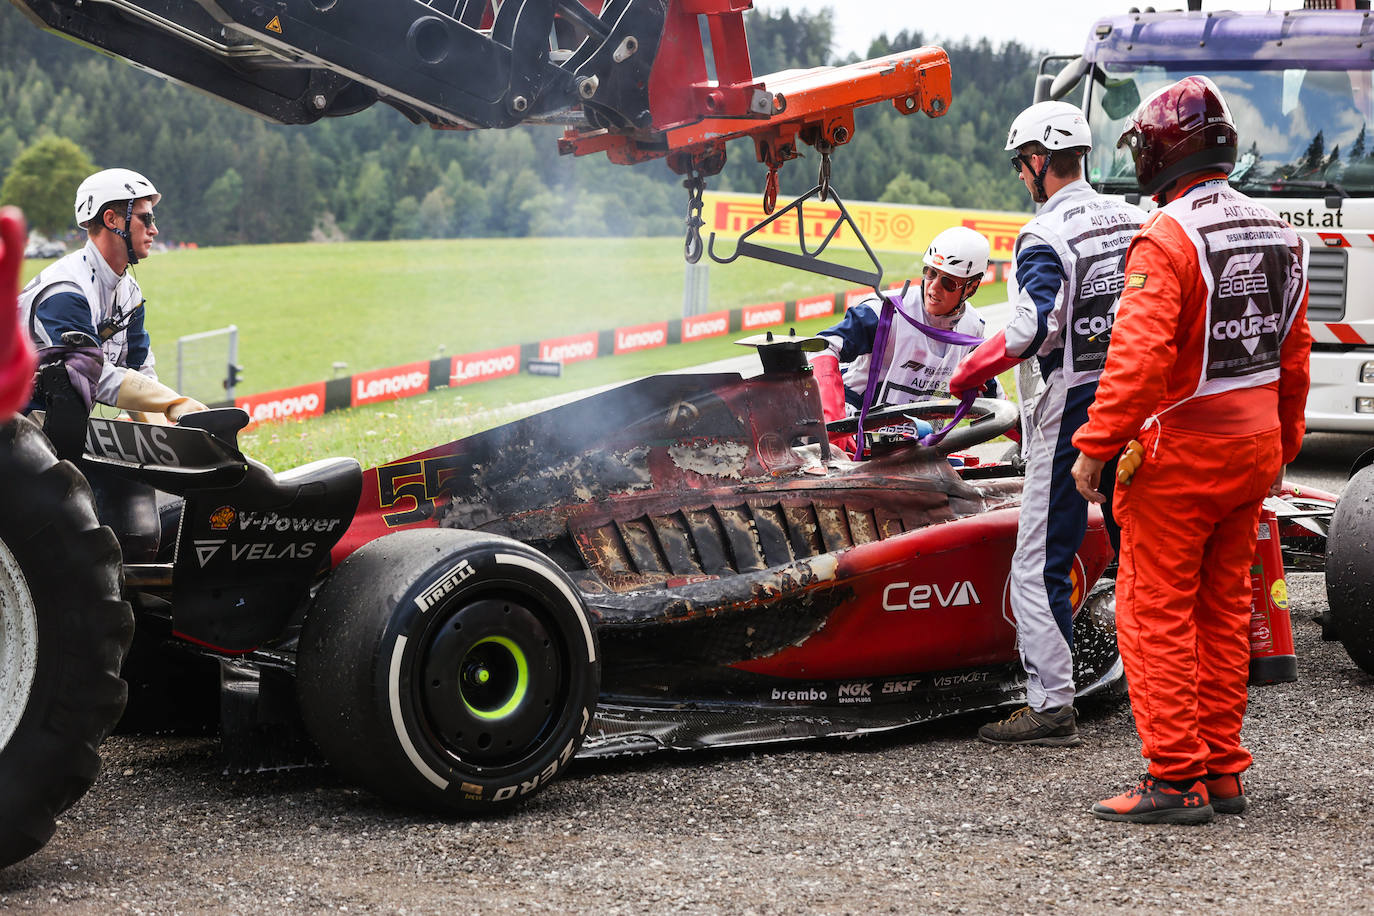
(1180, 129)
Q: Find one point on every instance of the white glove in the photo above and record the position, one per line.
(145, 395)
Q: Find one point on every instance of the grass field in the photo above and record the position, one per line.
(300, 308)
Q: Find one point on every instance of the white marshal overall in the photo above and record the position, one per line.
(1069, 263)
(80, 293)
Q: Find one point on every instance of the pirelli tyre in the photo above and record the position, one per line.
(63, 634)
(1350, 569)
(448, 670)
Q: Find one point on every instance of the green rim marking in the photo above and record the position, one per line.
(522, 680)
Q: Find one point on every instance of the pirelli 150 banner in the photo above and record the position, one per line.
(888, 227)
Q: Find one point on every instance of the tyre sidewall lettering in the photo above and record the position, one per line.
(489, 577)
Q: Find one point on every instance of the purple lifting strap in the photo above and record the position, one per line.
(891, 306)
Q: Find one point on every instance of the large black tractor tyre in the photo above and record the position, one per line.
(1350, 568)
(63, 634)
(448, 670)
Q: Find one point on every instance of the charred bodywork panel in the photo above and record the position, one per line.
(741, 575)
(747, 584)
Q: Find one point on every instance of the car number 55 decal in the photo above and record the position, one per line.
(413, 488)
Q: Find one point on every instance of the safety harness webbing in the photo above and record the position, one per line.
(891, 307)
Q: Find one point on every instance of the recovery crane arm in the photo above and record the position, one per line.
(635, 79)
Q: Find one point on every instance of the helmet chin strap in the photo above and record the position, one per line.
(126, 235)
(1040, 195)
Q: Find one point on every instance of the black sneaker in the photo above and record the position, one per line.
(1226, 793)
(1054, 727)
(1159, 801)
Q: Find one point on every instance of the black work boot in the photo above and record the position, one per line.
(1054, 727)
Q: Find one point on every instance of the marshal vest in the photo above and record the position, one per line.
(1090, 234)
(914, 368)
(1255, 268)
(110, 298)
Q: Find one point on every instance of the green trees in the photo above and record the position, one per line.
(228, 177)
(43, 180)
(907, 190)
(220, 219)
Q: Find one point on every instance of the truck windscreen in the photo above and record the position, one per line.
(1303, 133)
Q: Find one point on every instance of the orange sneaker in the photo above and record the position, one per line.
(1158, 801)
(1226, 793)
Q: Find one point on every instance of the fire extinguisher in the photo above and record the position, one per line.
(1272, 660)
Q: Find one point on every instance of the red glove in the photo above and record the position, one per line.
(16, 352)
(826, 369)
(985, 363)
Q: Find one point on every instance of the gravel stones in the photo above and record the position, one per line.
(926, 820)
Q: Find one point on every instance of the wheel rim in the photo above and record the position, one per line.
(492, 680)
(18, 644)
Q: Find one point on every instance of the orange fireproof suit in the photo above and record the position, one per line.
(1190, 514)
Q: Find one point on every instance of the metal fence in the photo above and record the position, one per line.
(207, 364)
(696, 290)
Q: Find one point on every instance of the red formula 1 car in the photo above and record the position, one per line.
(680, 562)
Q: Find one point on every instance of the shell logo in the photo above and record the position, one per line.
(1078, 581)
(1278, 593)
(222, 518)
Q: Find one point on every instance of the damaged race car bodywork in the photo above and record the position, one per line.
(744, 588)
(680, 562)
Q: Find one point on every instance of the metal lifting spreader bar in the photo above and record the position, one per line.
(804, 258)
(814, 106)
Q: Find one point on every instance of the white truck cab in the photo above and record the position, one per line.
(1300, 85)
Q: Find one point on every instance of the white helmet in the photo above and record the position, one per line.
(1056, 125)
(111, 184)
(959, 252)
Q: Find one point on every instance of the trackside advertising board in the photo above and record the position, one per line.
(762, 316)
(887, 227)
(390, 384)
(484, 366)
(854, 296)
(380, 385)
(641, 337)
(571, 349)
(700, 327)
(815, 307)
(287, 404)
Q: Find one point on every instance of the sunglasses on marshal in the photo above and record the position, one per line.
(950, 284)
